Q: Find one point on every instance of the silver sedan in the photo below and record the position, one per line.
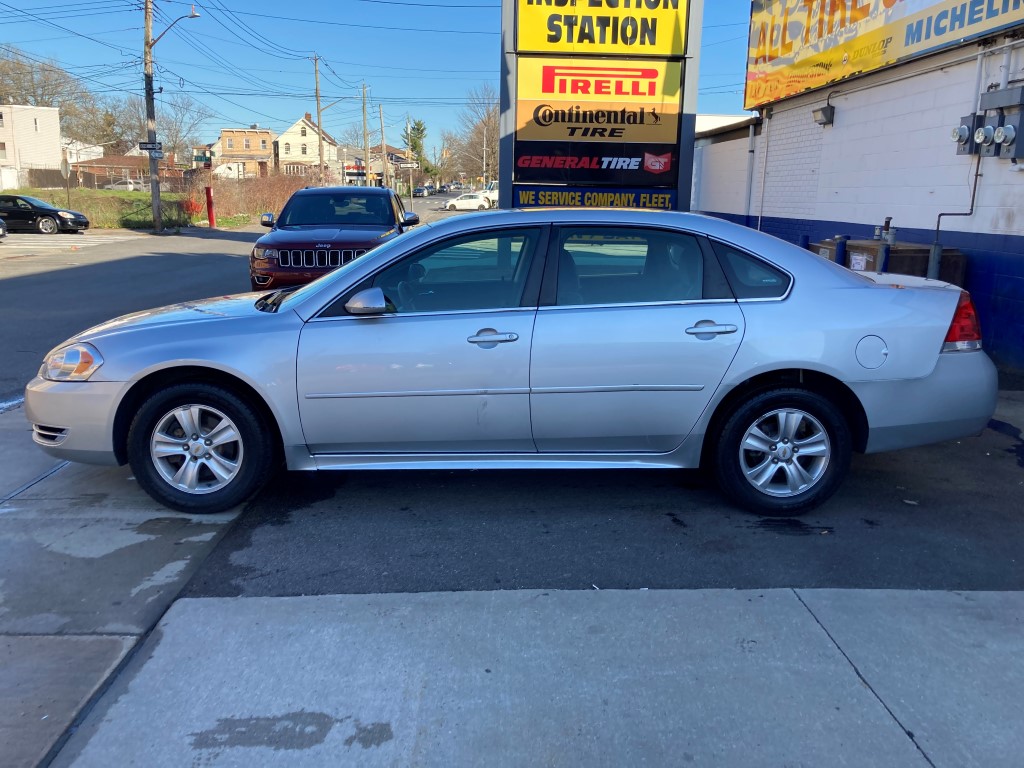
(548, 338)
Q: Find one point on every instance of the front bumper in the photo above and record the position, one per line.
(956, 400)
(279, 278)
(74, 420)
(65, 224)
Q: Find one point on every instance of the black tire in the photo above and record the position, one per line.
(47, 225)
(481, 207)
(770, 476)
(451, 207)
(246, 457)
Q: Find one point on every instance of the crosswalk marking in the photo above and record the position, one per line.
(60, 242)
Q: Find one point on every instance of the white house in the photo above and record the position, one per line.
(29, 138)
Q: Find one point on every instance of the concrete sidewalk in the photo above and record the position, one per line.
(708, 677)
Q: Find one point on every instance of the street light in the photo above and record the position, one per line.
(147, 68)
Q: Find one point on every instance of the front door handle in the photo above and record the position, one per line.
(706, 327)
(489, 338)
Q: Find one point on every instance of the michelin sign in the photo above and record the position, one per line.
(595, 103)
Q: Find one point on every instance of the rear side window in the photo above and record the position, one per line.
(749, 277)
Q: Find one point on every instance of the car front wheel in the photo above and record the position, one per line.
(199, 448)
(783, 452)
(451, 207)
(47, 225)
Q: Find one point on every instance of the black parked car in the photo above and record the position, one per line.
(3, 229)
(30, 213)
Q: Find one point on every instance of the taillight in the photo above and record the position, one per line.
(965, 330)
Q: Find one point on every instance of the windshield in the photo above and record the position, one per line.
(337, 209)
(38, 203)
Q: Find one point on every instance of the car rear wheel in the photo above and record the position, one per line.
(47, 225)
(481, 207)
(199, 448)
(783, 452)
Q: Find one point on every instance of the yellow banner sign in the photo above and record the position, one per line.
(620, 27)
(621, 81)
(596, 121)
(798, 45)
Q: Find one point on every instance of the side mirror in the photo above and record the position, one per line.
(370, 301)
(267, 219)
(411, 220)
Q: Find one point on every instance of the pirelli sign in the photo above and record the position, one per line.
(598, 100)
(598, 90)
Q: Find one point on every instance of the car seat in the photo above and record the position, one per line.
(567, 288)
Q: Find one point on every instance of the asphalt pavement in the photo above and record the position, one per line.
(105, 662)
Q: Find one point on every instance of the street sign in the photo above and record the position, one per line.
(65, 168)
(199, 158)
(158, 154)
(150, 145)
(408, 165)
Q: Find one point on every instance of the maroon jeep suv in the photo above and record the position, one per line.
(321, 228)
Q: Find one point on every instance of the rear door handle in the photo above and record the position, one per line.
(711, 329)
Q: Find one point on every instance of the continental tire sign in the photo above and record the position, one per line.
(593, 100)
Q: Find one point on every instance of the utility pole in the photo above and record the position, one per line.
(319, 117)
(366, 143)
(383, 147)
(147, 69)
(408, 144)
(485, 156)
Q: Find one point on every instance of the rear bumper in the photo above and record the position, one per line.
(956, 400)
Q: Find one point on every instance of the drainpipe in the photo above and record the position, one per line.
(764, 165)
(750, 173)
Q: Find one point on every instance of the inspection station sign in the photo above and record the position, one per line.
(598, 110)
(799, 45)
(594, 27)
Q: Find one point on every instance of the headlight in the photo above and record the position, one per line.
(65, 215)
(264, 253)
(75, 362)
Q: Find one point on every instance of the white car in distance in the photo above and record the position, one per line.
(471, 201)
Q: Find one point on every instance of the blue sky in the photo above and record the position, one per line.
(251, 62)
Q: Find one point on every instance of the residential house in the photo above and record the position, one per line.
(101, 171)
(297, 150)
(249, 151)
(77, 151)
(29, 139)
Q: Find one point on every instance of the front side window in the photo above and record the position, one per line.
(618, 265)
(263, 143)
(231, 143)
(474, 272)
(245, 143)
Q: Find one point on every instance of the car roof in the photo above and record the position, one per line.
(334, 190)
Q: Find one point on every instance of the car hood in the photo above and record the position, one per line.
(336, 237)
(204, 311)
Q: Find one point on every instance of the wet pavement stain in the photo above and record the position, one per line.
(372, 735)
(292, 731)
(870, 523)
(675, 519)
(790, 526)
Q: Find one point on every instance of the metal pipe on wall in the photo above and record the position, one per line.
(764, 165)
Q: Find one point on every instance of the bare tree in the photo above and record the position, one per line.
(476, 146)
(178, 121)
(45, 84)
